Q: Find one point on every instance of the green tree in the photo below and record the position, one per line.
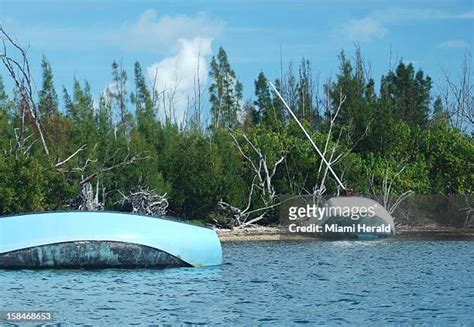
(306, 107)
(357, 112)
(144, 108)
(118, 95)
(449, 155)
(6, 126)
(270, 109)
(48, 98)
(440, 115)
(263, 98)
(225, 92)
(80, 110)
(407, 93)
(251, 115)
(27, 185)
(52, 120)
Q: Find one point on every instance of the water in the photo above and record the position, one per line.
(283, 283)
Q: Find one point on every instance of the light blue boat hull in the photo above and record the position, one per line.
(104, 239)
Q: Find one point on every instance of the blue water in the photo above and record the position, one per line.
(283, 283)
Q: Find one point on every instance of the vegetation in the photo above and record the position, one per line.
(401, 131)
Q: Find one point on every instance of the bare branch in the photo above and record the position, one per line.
(59, 164)
(146, 202)
(127, 161)
(21, 75)
(261, 181)
(385, 197)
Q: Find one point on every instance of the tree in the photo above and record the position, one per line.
(449, 155)
(80, 109)
(357, 112)
(264, 100)
(27, 184)
(385, 142)
(458, 97)
(407, 94)
(251, 115)
(262, 194)
(306, 107)
(144, 108)
(48, 98)
(440, 115)
(270, 110)
(6, 124)
(277, 116)
(142, 95)
(118, 94)
(225, 92)
(54, 123)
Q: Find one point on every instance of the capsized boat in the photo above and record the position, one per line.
(104, 240)
(338, 225)
(356, 217)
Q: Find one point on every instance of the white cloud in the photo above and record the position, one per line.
(176, 74)
(161, 33)
(454, 44)
(185, 41)
(364, 30)
(374, 26)
(150, 32)
(181, 44)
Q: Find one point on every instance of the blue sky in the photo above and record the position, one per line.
(82, 38)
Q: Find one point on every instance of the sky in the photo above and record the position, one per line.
(81, 39)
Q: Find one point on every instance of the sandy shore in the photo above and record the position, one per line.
(259, 233)
(265, 233)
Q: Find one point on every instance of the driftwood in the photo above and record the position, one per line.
(146, 202)
(234, 213)
(87, 200)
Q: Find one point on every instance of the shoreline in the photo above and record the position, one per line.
(266, 233)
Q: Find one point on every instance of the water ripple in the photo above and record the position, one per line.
(282, 283)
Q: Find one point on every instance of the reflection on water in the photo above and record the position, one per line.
(382, 282)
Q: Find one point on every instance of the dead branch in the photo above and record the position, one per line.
(87, 200)
(60, 163)
(458, 97)
(321, 189)
(389, 202)
(126, 161)
(21, 75)
(308, 136)
(23, 145)
(261, 181)
(146, 202)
